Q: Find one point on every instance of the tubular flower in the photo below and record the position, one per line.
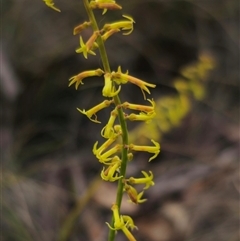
(144, 108)
(105, 5)
(113, 160)
(129, 222)
(109, 33)
(121, 78)
(105, 157)
(147, 113)
(134, 196)
(151, 149)
(123, 25)
(110, 173)
(87, 48)
(108, 131)
(77, 79)
(141, 117)
(104, 146)
(147, 180)
(92, 112)
(109, 88)
(81, 27)
(50, 4)
(120, 224)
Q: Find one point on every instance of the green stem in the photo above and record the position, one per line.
(117, 102)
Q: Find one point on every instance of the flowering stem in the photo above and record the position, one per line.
(122, 121)
(100, 42)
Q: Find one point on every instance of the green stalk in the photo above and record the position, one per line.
(117, 102)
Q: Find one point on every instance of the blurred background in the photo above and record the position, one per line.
(51, 188)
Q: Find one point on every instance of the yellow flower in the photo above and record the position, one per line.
(104, 146)
(123, 25)
(105, 157)
(147, 112)
(92, 112)
(77, 79)
(50, 4)
(113, 160)
(108, 130)
(147, 180)
(141, 117)
(109, 88)
(134, 196)
(121, 78)
(145, 108)
(81, 27)
(151, 149)
(109, 33)
(110, 173)
(122, 223)
(87, 48)
(129, 222)
(105, 5)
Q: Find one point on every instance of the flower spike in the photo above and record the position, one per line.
(115, 152)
